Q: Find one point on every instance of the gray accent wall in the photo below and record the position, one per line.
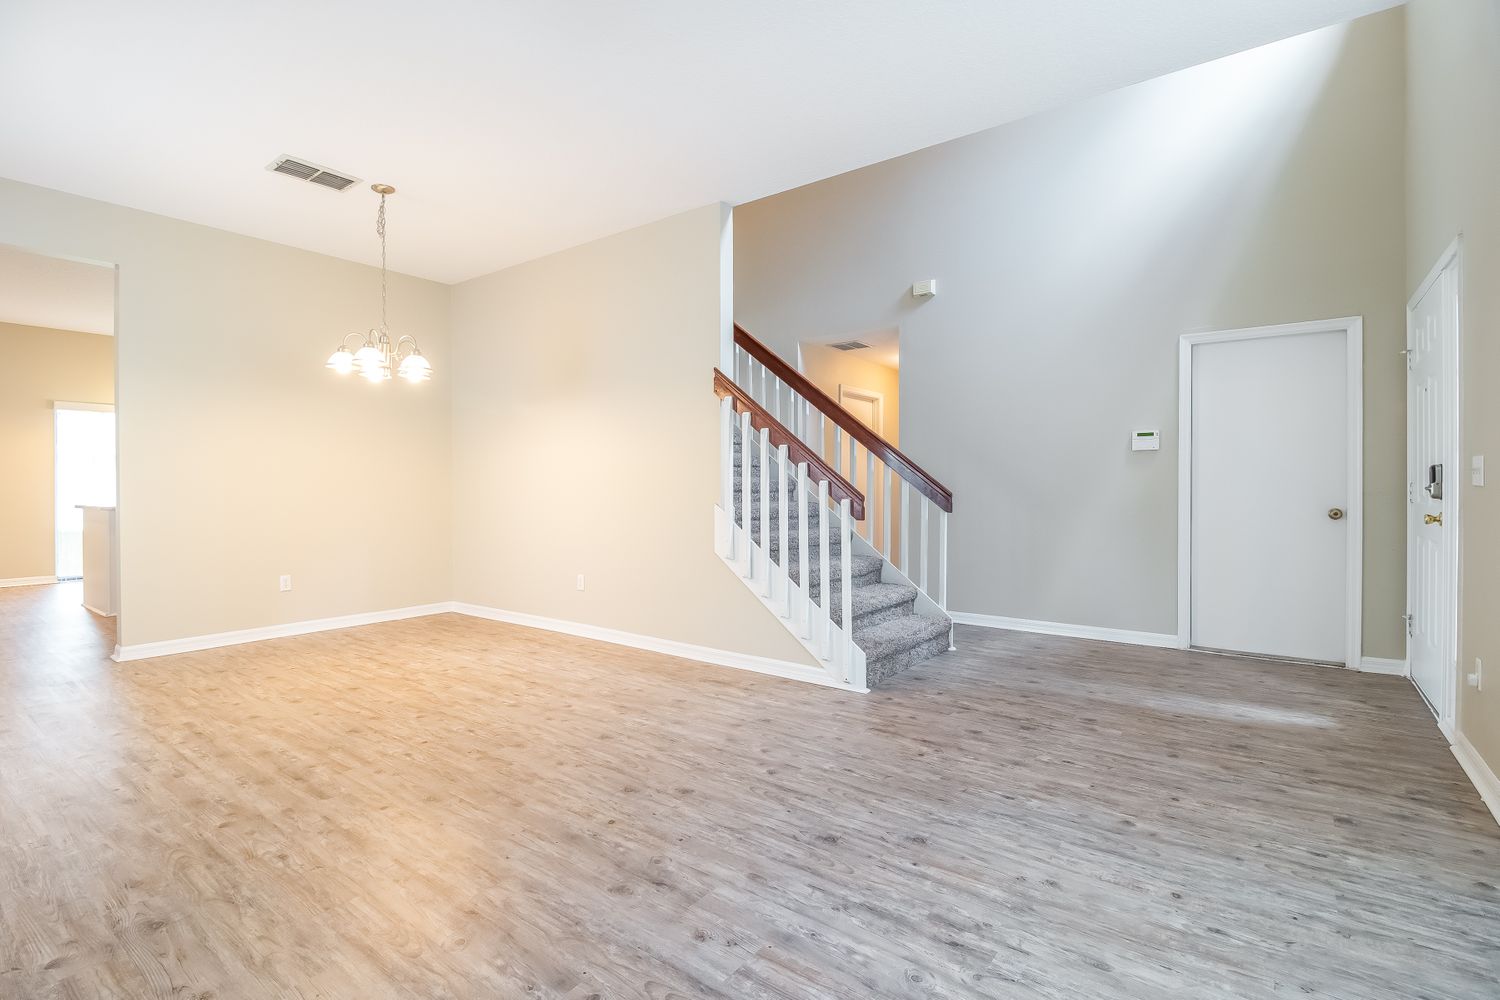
(1454, 162)
(1072, 250)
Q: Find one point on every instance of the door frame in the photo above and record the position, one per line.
(875, 399)
(1452, 256)
(1352, 327)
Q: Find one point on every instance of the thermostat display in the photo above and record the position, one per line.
(1145, 441)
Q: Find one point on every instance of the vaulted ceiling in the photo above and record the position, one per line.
(514, 129)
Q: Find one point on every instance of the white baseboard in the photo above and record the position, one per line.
(27, 581)
(1479, 772)
(146, 650)
(670, 647)
(1380, 665)
(1071, 631)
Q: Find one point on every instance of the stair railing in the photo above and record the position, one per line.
(899, 531)
(817, 489)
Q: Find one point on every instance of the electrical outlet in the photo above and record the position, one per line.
(1476, 679)
(286, 583)
(580, 581)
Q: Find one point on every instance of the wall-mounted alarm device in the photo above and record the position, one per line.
(1145, 440)
(924, 289)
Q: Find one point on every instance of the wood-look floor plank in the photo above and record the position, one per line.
(455, 808)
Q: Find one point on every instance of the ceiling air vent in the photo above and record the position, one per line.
(304, 171)
(851, 345)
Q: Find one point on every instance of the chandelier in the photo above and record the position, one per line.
(375, 353)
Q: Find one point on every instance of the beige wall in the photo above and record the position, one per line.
(1453, 50)
(585, 440)
(37, 368)
(241, 457)
(1072, 250)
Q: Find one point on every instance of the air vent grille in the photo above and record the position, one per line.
(851, 345)
(302, 170)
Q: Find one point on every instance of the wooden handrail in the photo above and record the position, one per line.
(838, 487)
(874, 443)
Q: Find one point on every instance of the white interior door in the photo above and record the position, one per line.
(1432, 485)
(1270, 496)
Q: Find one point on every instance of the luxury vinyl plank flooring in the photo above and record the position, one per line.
(448, 807)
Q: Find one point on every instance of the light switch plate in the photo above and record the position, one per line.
(1476, 471)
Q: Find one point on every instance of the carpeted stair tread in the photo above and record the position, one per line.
(876, 601)
(898, 635)
(861, 568)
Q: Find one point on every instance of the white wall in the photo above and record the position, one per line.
(241, 457)
(585, 440)
(1072, 250)
(1453, 49)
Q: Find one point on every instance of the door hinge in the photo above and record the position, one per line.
(1410, 625)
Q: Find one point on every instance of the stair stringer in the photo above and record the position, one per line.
(773, 586)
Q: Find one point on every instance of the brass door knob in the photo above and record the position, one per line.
(1432, 519)
(1335, 513)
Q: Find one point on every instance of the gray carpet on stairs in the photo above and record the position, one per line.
(887, 627)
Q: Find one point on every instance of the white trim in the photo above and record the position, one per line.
(876, 399)
(1380, 665)
(1353, 329)
(27, 581)
(1479, 773)
(651, 643)
(1447, 712)
(58, 404)
(169, 647)
(1095, 632)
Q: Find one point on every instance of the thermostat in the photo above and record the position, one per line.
(1145, 440)
(924, 289)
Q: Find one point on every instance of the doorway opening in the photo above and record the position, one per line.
(863, 374)
(58, 440)
(84, 460)
(1270, 486)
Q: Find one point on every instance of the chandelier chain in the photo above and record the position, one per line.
(380, 231)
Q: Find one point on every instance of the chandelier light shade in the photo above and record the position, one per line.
(375, 353)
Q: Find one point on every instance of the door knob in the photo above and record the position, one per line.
(1432, 519)
(1335, 513)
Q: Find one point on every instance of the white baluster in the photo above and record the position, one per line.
(869, 496)
(846, 574)
(783, 569)
(924, 544)
(826, 609)
(765, 508)
(822, 448)
(851, 472)
(942, 599)
(885, 515)
(726, 469)
(802, 577)
(906, 527)
(838, 449)
(743, 515)
(776, 398)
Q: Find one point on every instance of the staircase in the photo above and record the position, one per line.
(791, 519)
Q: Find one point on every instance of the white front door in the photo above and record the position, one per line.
(1271, 494)
(1432, 485)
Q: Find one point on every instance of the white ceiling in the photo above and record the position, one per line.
(514, 129)
(51, 292)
